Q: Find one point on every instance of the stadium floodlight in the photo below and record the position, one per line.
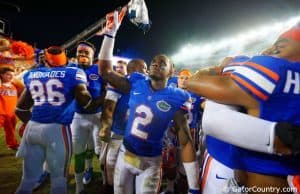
(246, 43)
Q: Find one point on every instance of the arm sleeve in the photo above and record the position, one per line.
(224, 122)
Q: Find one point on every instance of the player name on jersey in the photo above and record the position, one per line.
(292, 82)
(49, 74)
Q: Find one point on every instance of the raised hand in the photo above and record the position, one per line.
(113, 22)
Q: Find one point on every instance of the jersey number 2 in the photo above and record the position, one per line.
(139, 120)
(44, 92)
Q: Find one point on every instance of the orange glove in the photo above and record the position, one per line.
(113, 21)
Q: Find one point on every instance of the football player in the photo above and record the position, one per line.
(49, 92)
(260, 85)
(114, 119)
(85, 124)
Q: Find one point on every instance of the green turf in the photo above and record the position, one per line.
(11, 173)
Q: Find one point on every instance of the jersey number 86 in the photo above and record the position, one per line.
(46, 93)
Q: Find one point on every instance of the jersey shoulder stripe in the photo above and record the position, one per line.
(255, 78)
(268, 72)
(249, 87)
(258, 76)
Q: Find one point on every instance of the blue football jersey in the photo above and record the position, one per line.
(173, 81)
(275, 83)
(120, 115)
(236, 61)
(95, 85)
(52, 90)
(195, 114)
(150, 113)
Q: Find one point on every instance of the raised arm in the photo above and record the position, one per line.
(106, 53)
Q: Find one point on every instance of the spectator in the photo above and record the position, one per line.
(8, 103)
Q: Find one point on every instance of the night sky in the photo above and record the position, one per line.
(175, 22)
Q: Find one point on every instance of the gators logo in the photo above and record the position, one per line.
(93, 76)
(163, 106)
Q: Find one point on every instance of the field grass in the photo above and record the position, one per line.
(11, 173)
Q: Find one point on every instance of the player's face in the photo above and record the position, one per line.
(142, 68)
(84, 55)
(7, 76)
(160, 68)
(288, 49)
(269, 51)
(121, 68)
(181, 80)
(137, 66)
(41, 57)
